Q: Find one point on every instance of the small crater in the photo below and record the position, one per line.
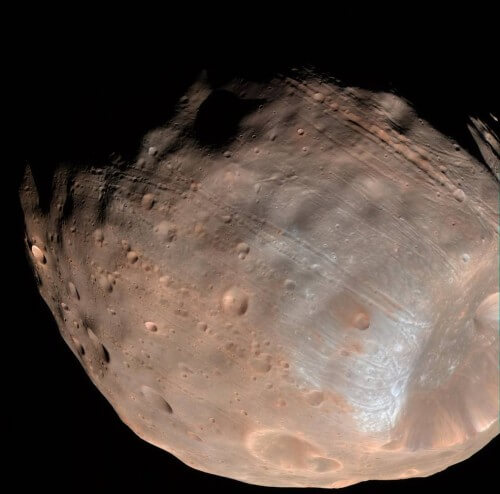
(322, 465)
(38, 254)
(98, 236)
(486, 317)
(155, 399)
(105, 283)
(79, 347)
(166, 231)
(151, 326)
(165, 280)
(262, 365)
(282, 450)
(201, 326)
(361, 321)
(235, 301)
(459, 195)
(315, 398)
(147, 201)
(105, 354)
(194, 436)
(73, 291)
(132, 257)
(242, 249)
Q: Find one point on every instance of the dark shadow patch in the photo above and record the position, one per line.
(105, 197)
(80, 115)
(43, 176)
(105, 354)
(87, 322)
(220, 74)
(168, 408)
(69, 203)
(218, 117)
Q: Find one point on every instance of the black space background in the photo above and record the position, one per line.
(60, 434)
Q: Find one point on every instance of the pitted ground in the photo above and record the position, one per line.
(313, 305)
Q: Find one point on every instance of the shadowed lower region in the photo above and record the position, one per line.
(303, 295)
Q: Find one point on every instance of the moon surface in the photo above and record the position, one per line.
(294, 283)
